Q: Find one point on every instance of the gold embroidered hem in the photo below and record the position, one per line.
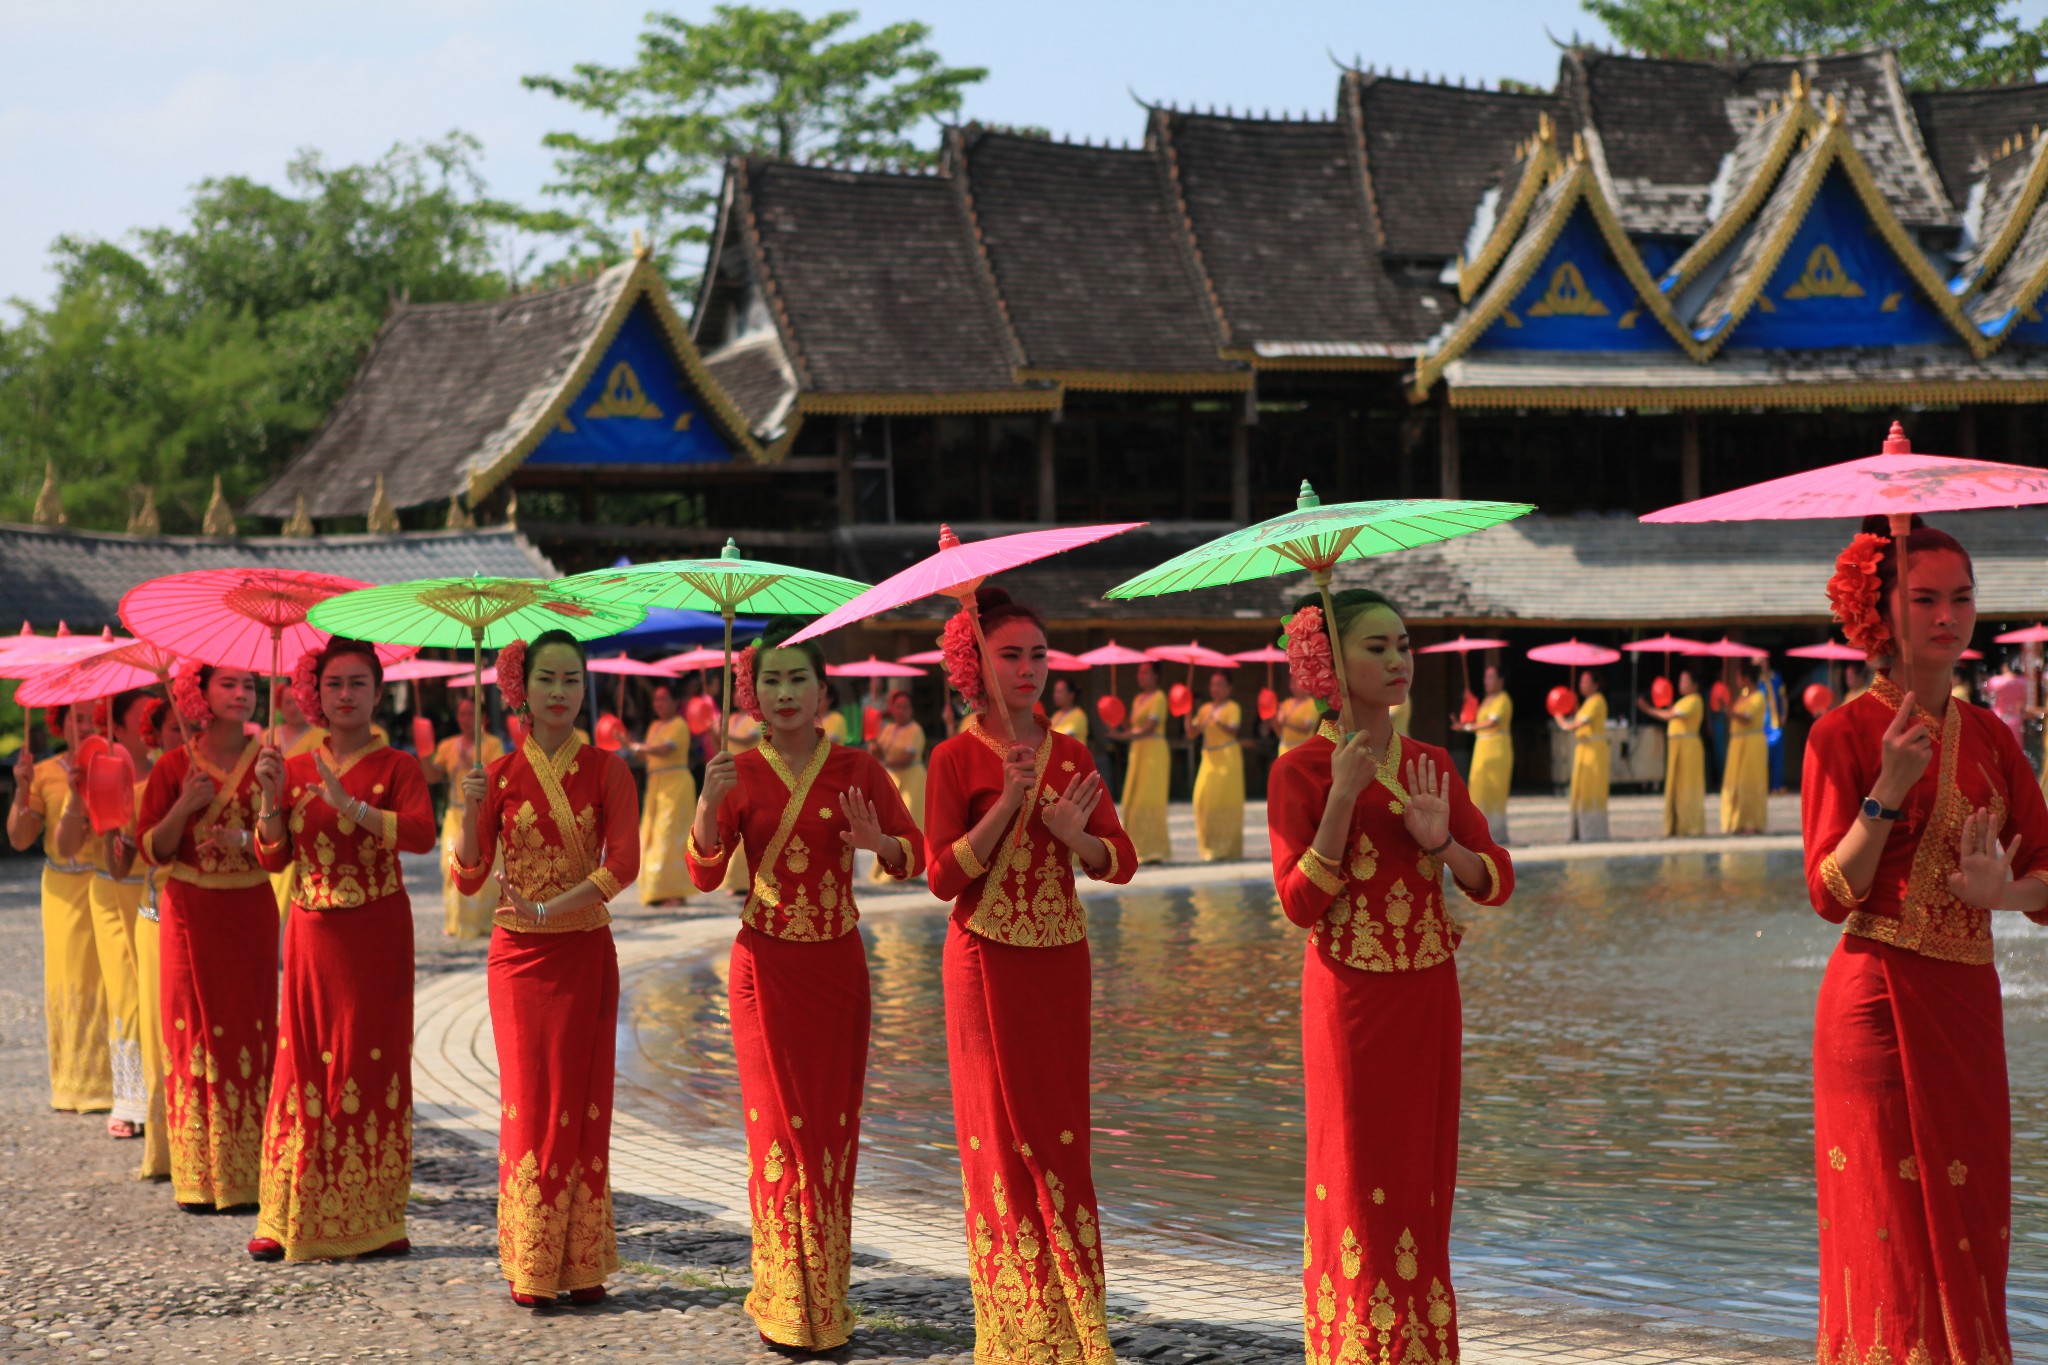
(595, 916)
(1312, 867)
(802, 1259)
(607, 885)
(1108, 874)
(963, 853)
(326, 1196)
(1492, 877)
(216, 1132)
(552, 1246)
(217, 881)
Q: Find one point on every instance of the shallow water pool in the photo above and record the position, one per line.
(1637, 1113)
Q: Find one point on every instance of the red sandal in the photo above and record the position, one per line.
(265, 1249)
(594, 1294)
(401, 1247)
(528, 1300)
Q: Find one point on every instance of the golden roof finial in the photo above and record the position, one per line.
(512, 507)
(220, 520)
(640, 250)
(49, 502)
(1798, 86)
(383, 519)
(142, 517)
(300, 527)
(1544, 128)
(1834, 108)
(459, 518)
(1578, 146)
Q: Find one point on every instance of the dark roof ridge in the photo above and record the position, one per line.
(1160, 137)
(1351, 113)
(954, 160)
(750, 239)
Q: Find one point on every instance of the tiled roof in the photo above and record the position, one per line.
(1280, 217)
(2020, 281)
(877, 280)
(79, 577)
(755, 373)
(1746, 379)
(1431, 151)
(443, 388)
(1765, 240)
(1089, 256)
(1568, 571)
(2012, 186)
(1963, 129)
(1748, 175)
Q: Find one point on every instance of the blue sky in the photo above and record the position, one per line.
(110, 112)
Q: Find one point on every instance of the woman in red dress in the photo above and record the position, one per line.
(217, 937)
(337, 1146)
(1363, 829)
(799, 982)
(1008, 804)
(1921, 817)
(568, 820)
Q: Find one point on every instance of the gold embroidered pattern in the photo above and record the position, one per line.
(333, 1185)
(963, 854)
(215, 1119)
(767, 909)
(233, 811)
(1034, 1302)
(549, 1246)
(1312, 868)
(541, 866)
(1027, 898)
(1837, 885)
(803, 1253)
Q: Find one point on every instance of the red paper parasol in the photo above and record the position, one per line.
(1835, 652)
(112, 668)
(110, 790)
(252, 619)
(1971, 654)
(2026, 635)
(1725, 648)
(927, 656)
(422, 670)
(956, 571)
(1894, 484)
(631, 668)
(1575, 654)
(422, 736)
(871, 667)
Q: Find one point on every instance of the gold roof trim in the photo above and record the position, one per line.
(644, 281)
(1737, 215)
(2015, 225)
(1837, 149)
(1581, 186)
(1536, 172)
(1878, 394)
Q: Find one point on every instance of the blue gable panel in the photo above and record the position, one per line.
(1577, 300)
(1838, 284)
(2030, 328)
(637, 408)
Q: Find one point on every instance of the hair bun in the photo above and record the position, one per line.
(989, 596)
(1878, 524)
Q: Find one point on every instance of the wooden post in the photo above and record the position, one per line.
(1241, 459)
(1688, 457)
(1048, 488)
(843, 448)
(1184, 410)
(1966, 433)
(1448, 476)
(1347, 476)
(984, 456)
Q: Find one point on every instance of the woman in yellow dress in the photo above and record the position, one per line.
(463, 916)
(115, 896)
(742, 734)
(1067, 716)
(1685, 758)
(74, 997)
(1143, 808)
(1746, 781)
(295, 735)
(1493, 753)
(123, 857)
(831, 719)
(668, 805)
(1296, 719)
(1588, 729)
(1219, 781)
(900, 746)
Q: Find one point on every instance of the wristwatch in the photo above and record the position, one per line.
(1874, 809)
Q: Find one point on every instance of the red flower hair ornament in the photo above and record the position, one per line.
(190, 698)
(962, 658)
(306, 687)
(103, 715)
(1309, 664)
(511, 668)
(1853, 593)
(743, 695)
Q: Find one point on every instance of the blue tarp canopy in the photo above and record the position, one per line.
(668, 627)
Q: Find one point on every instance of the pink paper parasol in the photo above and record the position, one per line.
(252, 619)
(1059, 661)
(694, 658)
(25, 657)
(1575, 654)
(1971, 654)
(1725, 648)
(487, 678)
(1113, 654)
(1835, 653)
(1461, 645)
(2026, 635)
(118, 667)
(871, 667)
(1193, 655)
(926, 656)
(417, 670)
(1663, 644)
(1269, 654)
(631, 668)
(956, 571)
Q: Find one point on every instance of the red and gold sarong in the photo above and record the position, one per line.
(1382, 1161)
(800, 1016)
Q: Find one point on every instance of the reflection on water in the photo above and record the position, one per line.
(1637, 1114)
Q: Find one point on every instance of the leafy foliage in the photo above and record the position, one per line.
(1940, 42)
(750, 81)
(218, 345)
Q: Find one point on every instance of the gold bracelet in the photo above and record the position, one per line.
(1322, 857)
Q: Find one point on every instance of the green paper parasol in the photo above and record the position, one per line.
(723, 585)
(452, 612)
(1318, 538)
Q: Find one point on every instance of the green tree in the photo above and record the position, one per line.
(218, 345)
(750, 81)
(1940, 42)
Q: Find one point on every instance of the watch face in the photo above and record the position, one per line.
(1871, 807)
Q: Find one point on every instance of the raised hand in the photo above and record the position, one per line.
(1427, 812)
(721, 775)
(475, 783)
(1352, 765)
(1020, 775)
(270, 776)
(24, 771)
(1905, 751)
(197, 791)
(330, 784)
(863, 825)
(1982, 872)
(1068, 817)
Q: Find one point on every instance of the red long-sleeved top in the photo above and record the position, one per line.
(1977, 765)
(1026, 896)
(586, 829)
(233, 809)
(1383, 910)
(342, 864)
(791, 823)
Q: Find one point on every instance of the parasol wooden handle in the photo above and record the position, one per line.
(1322, 578)
(725, 713)
(988, 664)
(1902, 530)
(476, 703)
